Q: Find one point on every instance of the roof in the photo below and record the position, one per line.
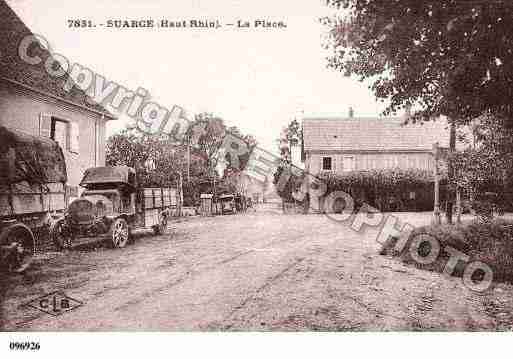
(116, 174)
(35, 159)
(12, 67)
(372, 134)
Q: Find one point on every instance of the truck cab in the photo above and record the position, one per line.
(111, 206)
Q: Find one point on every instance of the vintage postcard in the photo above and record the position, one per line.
(255, 166)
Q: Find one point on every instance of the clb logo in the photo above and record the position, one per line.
(55, 303)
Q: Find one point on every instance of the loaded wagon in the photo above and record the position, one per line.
(227, 204)
(32, 193)
(111, 206)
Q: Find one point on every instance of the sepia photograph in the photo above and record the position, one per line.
(321, 171)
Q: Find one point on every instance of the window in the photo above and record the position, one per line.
(348, 164)
(64, 132)
(59, 132)
(326, 164)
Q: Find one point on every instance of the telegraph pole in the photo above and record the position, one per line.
(189, 160)
(450, 170)
(180, 184)
(436, 210)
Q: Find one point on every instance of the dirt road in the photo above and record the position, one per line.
(256, 271)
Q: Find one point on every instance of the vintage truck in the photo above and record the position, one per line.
(32, 194)
(111, 206)
(227, 204)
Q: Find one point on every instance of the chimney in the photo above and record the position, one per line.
(351, 112)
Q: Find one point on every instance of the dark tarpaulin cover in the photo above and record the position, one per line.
(116, 174)
(36, 160)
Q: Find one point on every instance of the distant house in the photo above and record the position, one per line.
(34, 102)
(338, 145)
(252, 187)
(248, 185)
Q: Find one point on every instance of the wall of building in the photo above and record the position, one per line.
(370, 161)
(21, 109)
(251, 187)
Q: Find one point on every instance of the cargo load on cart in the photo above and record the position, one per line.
(32, 190)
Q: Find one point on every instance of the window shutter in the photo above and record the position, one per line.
(45, 125)
(74, 137)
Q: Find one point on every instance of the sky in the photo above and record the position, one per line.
(255, 79)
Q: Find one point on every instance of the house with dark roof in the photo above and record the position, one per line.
(339, 145)
(36, 103)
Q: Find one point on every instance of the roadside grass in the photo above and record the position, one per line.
(490, 243)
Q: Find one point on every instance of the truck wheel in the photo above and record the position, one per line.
(161, 228)
(20, 250)
(118, 234)
(61, 238)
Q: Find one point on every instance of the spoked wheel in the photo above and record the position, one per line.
(119, 233)
(60, 235)
(19, 251)
(161, 228)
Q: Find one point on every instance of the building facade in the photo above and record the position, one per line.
(36, 103)
(342, 145)
(338, 145)
(252, 187)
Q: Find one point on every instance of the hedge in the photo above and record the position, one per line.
(386, 190)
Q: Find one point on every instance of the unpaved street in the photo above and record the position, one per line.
(254, 271)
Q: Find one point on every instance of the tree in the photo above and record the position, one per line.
(291, 135)
(126, 148)
(249, 139)
(484, 170)
(206, 134)
(157, 160)
(445, 57)
(288, 180)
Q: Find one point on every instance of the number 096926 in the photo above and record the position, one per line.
(24, 346)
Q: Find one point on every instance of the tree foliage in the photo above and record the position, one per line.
(290, 136)
(206, 134)
(287, 180)
(485, 169)
(445, 57)
(157, 161)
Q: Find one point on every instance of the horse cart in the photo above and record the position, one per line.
(111, 206)
(32, 193)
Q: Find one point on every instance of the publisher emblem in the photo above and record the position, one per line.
(55, 303)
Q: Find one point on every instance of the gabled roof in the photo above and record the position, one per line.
(12, 67)
(372, 134)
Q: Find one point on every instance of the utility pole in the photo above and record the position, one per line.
(180, 187)
(436, 210)
(450, 170)
(189, 160)
(458, 205)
